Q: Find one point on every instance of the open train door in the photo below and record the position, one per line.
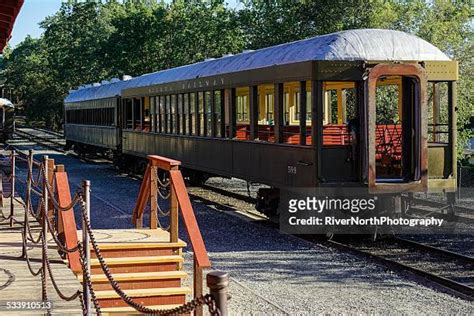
(397, 136)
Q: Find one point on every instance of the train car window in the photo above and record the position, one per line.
(168, 114)
(266, 121)
(137, 119)
(192, 104)
(179, 117)
(201, 126)
(152, 114)
(339, 113)
(438, 118)
(208, 114)
(294, 132)
(218, 112)
(146, 120)
(128, 114)
(186, 114)
(174, 114)
(161, 113)
(242, 113)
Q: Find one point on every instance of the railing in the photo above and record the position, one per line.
(164, 180)
(54, 211)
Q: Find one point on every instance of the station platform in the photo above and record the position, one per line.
(17, 284)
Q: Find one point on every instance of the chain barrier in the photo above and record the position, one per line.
(186, 308)
(27, 233)
(160, 186)
(46, 270)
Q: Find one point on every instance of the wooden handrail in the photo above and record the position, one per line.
(179, 200)
(189, 219)
(163, 162)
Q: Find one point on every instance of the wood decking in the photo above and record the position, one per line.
(16, 281)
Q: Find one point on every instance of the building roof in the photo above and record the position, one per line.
(351, 45)
(9, 10)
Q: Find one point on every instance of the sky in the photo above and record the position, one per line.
(34, 11)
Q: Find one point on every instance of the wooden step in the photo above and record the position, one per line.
(160, 296)
(138, 264)
(131, 311)
(142, 280)
(116, 250)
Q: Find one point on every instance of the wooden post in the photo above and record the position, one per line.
(153, 198)
(27, 197)
(217, 282)
(197, 286)
(302, 117)
(12, 185)
(253, 98)
(173, 210)
(44, 228)
(85, 243)
(50, 182)
(1, 190)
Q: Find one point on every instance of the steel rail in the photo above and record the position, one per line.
(443, 252)
(230, 194)
(459, 289)
(432, 203)
(54, 145)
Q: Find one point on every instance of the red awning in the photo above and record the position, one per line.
(9, 10)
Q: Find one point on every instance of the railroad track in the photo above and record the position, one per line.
(49, 143)
(430, 203)
(442, 269)
(402, 255)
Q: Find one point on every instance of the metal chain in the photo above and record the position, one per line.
(60, 245)
(53, 281)
(28, 258)
(88, 281)
(40, 213)
(43, 273)
(186, 308)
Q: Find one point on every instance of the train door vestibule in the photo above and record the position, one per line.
(397, 142)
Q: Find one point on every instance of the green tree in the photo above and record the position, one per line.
(27, 70)
(200, 29)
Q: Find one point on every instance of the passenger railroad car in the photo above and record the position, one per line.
(360, 107)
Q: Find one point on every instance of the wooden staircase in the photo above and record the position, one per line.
(149, 271)
(146, 263)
